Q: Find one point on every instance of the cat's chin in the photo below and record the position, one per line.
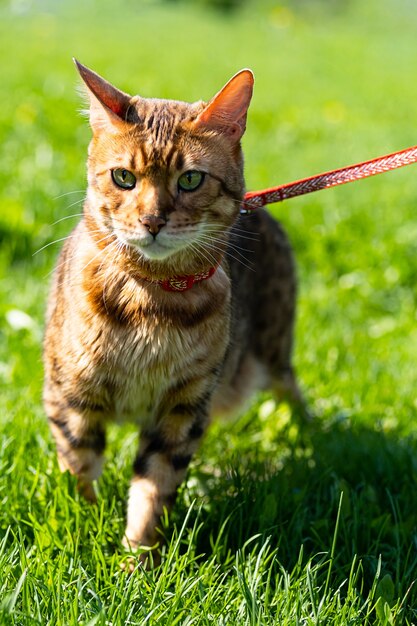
(154, 251)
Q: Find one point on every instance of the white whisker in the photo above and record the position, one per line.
(67, 217)
(71, 278)
(212, 245)
(204, 254)
(234, 230)
(51, 243)
(68, 193)
(228, 245)
(68, 260)
(62, 239)
(74, 203)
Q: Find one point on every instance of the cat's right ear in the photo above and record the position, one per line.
(109, 107)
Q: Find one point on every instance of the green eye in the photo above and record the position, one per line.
(123, 178)
(190, 181)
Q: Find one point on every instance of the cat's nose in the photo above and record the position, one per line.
(153, 223)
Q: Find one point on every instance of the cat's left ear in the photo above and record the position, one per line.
(109, 107)
(226, 112)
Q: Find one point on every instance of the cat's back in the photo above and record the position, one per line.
(263, 277)
(262, 266)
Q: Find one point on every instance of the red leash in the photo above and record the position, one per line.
(254, 199)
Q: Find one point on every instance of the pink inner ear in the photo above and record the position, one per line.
(227, 110)
(116, 106)
(114, 99)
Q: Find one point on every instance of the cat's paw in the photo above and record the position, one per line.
(87, 490)
(139, 556)
(146, 560)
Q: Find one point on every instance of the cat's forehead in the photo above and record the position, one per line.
(162, 118)
(160, 125)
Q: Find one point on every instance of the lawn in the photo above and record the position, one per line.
(278, 522)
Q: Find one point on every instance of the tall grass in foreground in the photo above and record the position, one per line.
(279, 522)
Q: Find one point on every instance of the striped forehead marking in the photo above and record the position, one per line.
(158, 140)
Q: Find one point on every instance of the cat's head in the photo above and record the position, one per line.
(166, 177)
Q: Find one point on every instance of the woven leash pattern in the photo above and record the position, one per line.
(255, 199)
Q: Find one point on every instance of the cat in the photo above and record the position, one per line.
(167, 305)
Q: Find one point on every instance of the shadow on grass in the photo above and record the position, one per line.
(293, 497)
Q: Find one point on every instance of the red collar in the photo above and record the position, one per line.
(183, 283)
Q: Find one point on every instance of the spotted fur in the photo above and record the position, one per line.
(117, 346)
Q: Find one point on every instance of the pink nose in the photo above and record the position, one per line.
(153, 223)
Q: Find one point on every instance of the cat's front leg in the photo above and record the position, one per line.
(160, 467)
(80, 443)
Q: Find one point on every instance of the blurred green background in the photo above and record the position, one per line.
(335, 84)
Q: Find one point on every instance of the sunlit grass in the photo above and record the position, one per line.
(278, 523)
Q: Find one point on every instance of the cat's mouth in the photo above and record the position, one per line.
(157, 247)
(154, 249)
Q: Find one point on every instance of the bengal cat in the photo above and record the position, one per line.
(167, 305)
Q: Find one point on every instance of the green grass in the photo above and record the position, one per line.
(277, 523)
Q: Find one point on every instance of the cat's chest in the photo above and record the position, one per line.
(145, 363)
(143, 344)
(144, 367)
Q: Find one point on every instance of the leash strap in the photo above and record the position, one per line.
(255, 199)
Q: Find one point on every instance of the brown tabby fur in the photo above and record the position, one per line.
(117, 345)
